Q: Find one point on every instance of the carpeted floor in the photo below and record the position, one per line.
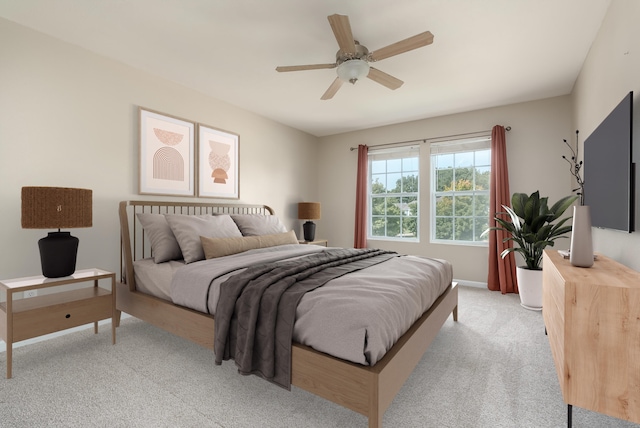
(493, 368)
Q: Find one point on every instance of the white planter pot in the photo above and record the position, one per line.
(530, 288)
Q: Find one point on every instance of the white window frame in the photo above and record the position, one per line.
(389, 154)
(452, 147)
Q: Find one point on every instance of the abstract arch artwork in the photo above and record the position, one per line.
(167, 155)
(168, 164)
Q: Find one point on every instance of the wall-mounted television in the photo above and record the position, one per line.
(609, 171)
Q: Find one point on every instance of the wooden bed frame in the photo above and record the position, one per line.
(368, 390)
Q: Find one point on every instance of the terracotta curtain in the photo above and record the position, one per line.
(360, 235)
(502, 272)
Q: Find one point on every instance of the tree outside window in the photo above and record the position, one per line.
(393, 196)
(460, 192)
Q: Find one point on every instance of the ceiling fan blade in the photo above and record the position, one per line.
(332, 89)
(384, 79)
(304, 67)
(415, 42)
(342, 31)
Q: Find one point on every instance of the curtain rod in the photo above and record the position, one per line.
(424, 140)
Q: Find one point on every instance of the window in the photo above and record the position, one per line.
(393, 193)
(460, 174)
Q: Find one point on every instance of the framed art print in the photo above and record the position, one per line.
(166, 154)
(218, 160)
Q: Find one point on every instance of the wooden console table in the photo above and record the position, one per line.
(592, 318)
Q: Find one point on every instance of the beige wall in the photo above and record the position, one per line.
(69, 118)
(534, 152)
(611, 70)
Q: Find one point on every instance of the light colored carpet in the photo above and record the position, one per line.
(493, 368)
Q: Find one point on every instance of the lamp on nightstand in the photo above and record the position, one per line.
(309, 211)
(57, 208)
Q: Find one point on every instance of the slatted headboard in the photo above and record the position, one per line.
(134, 241)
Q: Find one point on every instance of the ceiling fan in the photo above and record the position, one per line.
(352, 60)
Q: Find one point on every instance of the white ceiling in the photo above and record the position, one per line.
(485, 53)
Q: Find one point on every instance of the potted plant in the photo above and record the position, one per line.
(532, 226)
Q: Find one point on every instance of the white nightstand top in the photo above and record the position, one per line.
(321, 242)
(77, 276)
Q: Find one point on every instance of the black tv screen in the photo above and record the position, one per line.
(609, 179)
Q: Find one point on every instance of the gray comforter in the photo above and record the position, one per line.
(256, 309)
(356, 317)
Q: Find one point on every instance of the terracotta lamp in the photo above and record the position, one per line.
(57, 208)
(309, 211)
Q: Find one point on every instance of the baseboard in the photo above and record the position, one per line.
(3, 346)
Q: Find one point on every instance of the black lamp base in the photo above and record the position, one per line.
(309, 228)
(58, 251)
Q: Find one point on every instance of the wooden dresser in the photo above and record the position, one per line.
(592, 317)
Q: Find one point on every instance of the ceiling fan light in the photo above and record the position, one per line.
(353, 70)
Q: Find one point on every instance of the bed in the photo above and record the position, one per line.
(366, 389)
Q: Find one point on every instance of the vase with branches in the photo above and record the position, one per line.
(581, 252)
(575, 166)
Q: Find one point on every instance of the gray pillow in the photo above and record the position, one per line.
(258, 224)
(189, 228)
(164, 245)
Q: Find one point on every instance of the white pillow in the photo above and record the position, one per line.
(258, 224)
(189, 228)
(164, 246)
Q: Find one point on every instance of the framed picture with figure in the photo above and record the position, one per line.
(218, 163)
(167, 145)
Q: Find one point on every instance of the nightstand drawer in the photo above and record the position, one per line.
(38, 316)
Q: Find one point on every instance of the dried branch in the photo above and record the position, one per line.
(575, 167)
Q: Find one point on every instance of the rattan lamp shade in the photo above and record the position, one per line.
(309, 210)
(57, 208)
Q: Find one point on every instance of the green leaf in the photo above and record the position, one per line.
(515, 221)
(518, 201)
(561, 206)
(531, 225)
(531, 208)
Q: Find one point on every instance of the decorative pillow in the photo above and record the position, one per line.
(258, 224)
(218, 247)
(163, 242)
(189, 228)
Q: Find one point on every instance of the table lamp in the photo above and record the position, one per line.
(309, 211)
(57, 208)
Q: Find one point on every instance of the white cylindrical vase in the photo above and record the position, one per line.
(581, 254)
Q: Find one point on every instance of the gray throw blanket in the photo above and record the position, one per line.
(257, 308)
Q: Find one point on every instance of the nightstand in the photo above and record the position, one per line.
(48, 313)
(321, 242)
